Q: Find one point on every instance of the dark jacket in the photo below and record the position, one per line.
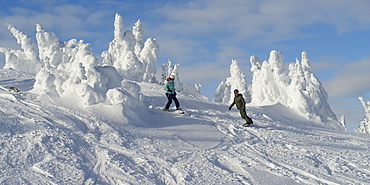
(239, 102)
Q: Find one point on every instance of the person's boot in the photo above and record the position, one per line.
(165, 109)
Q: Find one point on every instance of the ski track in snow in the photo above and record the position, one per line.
(54, 141)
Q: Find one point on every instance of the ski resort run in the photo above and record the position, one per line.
(68, 118)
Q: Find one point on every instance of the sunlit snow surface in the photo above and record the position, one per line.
(49, 140)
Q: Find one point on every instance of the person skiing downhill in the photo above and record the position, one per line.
(169, 87)
(240, 105)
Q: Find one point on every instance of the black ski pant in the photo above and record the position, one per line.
(171, 97)
(244, 115)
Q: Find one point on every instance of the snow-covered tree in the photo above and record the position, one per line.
(74, 66)
(342, 120)
(44, 83)
(70, 68)
(24, 59)
(225, 91)
(148, 56)
(365, 124)
(306, 93)
(138, 32)
(269, 80)
(127, 53)
(222, 93)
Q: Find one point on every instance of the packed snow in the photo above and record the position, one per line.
(78, 120)
(53, 140)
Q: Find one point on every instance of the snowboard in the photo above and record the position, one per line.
(176, 111)
(247, 125)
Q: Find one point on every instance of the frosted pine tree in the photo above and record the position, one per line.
(44, 83)
(342, 120)
(365, 124)
(307, 94)
(280, 76)
(270, 79)
(121, 52)
(257, 87)
(138, 32)
(222, 93)
(238, 81)
(148, 57)
(225, 91)
(23, 59)
(133, 59)
(71, 66)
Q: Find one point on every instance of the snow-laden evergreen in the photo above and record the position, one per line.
(306, 93)
(297, 88)
(72, 68)
(365, 123)
(237, 80)
(133, 59)
(269, 80)
(342, 120)
(23, 59)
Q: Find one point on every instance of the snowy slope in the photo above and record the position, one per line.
(57, 141)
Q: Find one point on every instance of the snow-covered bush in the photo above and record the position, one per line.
(365, 124)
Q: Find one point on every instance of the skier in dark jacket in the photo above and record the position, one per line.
(169, 87)
(240, 105)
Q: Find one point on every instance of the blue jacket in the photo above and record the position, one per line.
(169, 87)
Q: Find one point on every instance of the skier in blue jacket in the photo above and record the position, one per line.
(169, 87)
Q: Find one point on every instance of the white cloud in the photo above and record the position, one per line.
(350, 81)
(244, 24)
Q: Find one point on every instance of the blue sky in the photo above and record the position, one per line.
(204, 35)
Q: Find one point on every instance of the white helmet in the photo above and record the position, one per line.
(172, 77)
